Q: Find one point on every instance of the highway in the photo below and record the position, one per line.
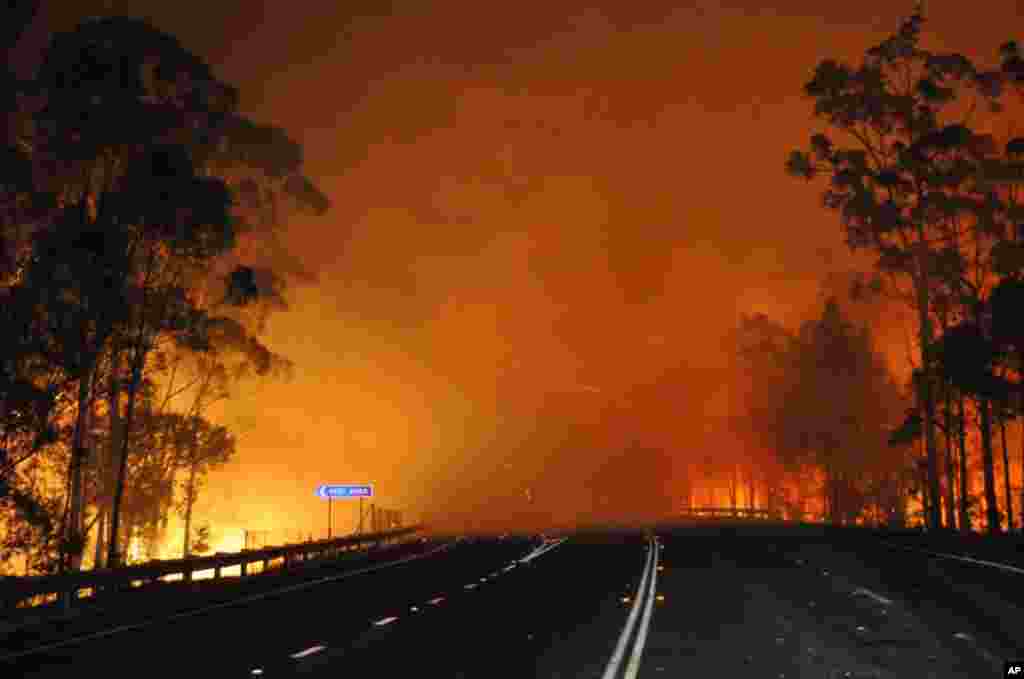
(678, 601)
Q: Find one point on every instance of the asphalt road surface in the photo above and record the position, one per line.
(681, 602)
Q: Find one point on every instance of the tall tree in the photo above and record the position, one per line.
(967, 357)
(121, 100)
(76, 273)
(908, 174)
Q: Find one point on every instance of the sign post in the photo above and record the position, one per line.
(343, 491)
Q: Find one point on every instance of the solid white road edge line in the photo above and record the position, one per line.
(641, 636)
(620, 647)
(992, 564)
(386, 621)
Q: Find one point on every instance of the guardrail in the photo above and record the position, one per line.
(738, 513)
(14, 590)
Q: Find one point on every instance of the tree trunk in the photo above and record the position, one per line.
(827, 501)
(189, 501)
(733, 488)
(965, 516)
(837, 498)
(927, 395)
(76, 519)
(101, 532)
(950, 468)
(113, 551)
(1006, 476)
(1021, 368)
(988, 461)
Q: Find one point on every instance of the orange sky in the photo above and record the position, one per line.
(539, 209)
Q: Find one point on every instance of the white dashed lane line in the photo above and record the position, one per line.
(309, 651)
(978, 648)
(861, 591)
(547, 546)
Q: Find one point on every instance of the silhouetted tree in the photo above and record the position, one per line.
(909, 179)
(822, 399)
(967, 357)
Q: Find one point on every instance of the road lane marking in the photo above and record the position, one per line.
(992, 564)
(620, 647)
(469, 586)
(977, 647)
(641, 636)
(531, 553)
(309, 651)
(861, 591)
(386, 621)
(435, 601)
(206, 609)
(543, 550)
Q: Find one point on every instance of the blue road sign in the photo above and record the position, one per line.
(332, 491)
